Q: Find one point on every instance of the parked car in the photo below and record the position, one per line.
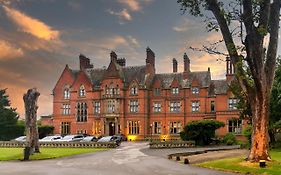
(89, 139)
(20, 139)
(71, 138)
(110, 139)
(122, 137)
(51, 138)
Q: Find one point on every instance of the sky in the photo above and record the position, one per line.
(39, 37)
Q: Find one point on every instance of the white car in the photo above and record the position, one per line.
(89, 139)
(20, 139)
(71, 138)
(50, 138)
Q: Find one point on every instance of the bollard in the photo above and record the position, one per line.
(186, 161)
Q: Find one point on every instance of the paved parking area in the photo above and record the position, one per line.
(128, 159)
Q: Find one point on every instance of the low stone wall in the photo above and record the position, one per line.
(12, 144)
(171, 144)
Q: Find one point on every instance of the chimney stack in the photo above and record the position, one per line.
(175, 65)
(113, 56)
(84, 62)
(186, 61)
(121, 62)
(229, 69)
(150, 57)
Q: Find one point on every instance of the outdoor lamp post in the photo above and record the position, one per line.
(151, 132)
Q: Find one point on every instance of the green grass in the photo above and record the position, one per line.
(46, 153)
(239, 165)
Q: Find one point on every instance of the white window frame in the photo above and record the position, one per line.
(195, 106)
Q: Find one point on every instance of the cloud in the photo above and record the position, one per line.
(31, 25)
(134, 5)
(74, 5)
(185, 25)
(9, 51)
(133, 40)
(123, 15)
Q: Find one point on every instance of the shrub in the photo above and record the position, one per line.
(247, 132)
(45, 130)
(230, 139)
(201, 131)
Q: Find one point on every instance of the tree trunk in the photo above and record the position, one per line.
(260, 137)
(30, 103)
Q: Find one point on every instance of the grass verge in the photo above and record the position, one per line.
(239, 165)
(46, 153)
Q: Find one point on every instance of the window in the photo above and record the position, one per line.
(66, 109)
(97, 107)
(195, 106)
(110, 106)
(134, 105)
(175, 90)
(81, 112)
(235, 126)
(157, 107)
(213, 106)
(232, 103)
(156, 128)
(157, 91)
(134, 91)
(175, 106)
(65, 128)
(81, 131)
(175, 127)
(82, 92)
(134, 127)
(66, 94)
(195, 90)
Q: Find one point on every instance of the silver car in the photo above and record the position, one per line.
(50, 138)
(71, 138)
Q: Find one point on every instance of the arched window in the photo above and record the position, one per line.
(134, 90)
(82, 91)
(66, 93)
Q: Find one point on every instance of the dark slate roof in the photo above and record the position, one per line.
(166, 80)
(134, 73)
(219, 87)
(95, 75)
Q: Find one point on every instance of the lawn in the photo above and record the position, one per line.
(46, 153)
(239, 165)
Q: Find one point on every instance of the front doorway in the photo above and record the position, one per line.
(111, 126)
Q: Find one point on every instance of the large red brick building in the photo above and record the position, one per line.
(138, 102)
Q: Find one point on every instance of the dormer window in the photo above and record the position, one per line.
(175, 90)
(82, 91)
(134, 91)
(66, 93)
(195, 90)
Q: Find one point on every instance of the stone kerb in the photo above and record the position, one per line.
(171, 144)
(13, 144)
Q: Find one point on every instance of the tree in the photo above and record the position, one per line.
(257, 19)
(8, 119)
(201, 131)
(32, 136)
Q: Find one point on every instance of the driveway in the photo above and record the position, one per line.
(128, 159)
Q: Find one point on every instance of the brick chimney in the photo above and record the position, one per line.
(186, 61)
(229, 69)
(113, 56)
(84, 62)
(175, 65)
(150, 57)
(121, 62)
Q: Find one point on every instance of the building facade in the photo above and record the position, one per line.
(138, 102)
